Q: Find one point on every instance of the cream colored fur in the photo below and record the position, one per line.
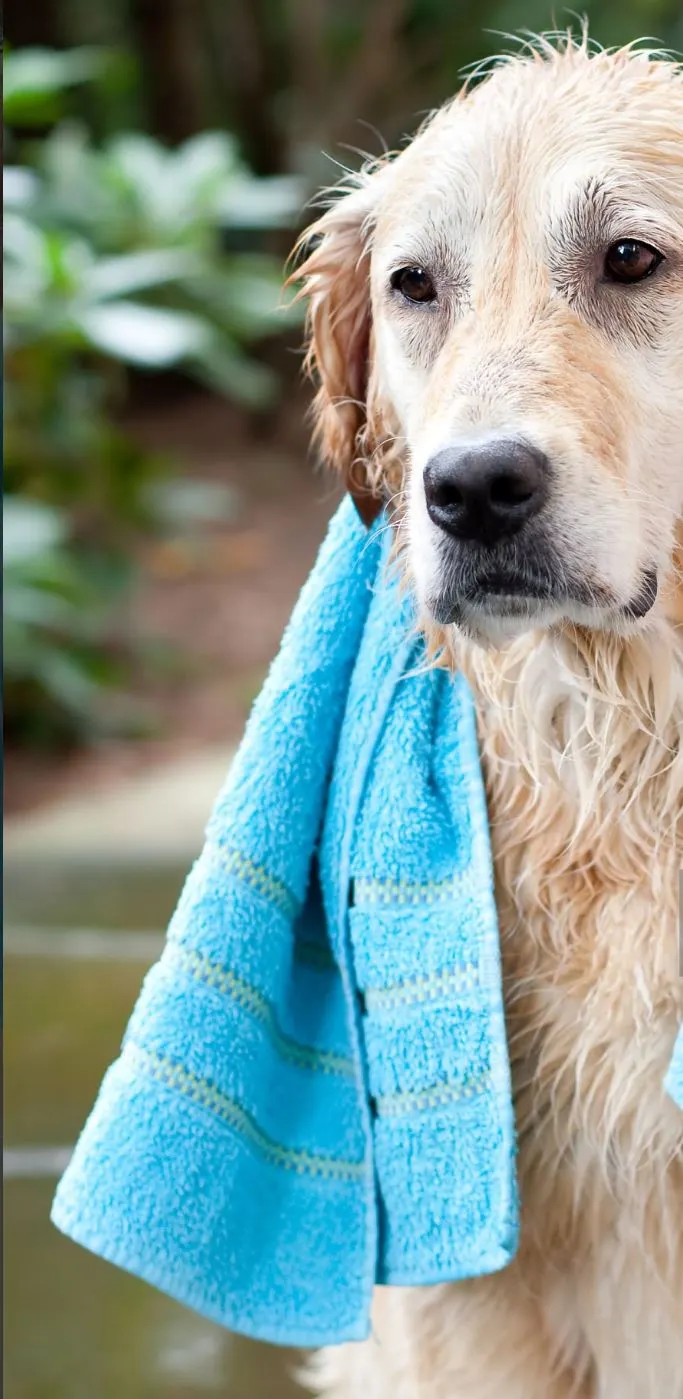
(580, 717)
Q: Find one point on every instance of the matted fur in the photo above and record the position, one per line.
(580, 716)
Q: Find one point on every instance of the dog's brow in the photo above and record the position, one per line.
(592, 194)
(595, 212)
(586, 216)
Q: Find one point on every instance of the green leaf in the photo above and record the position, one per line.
(274, 201)
(20, 187)
(175, 191)
(70, 260)
(34, 607)
(140, 169)
(27, 272)
(252, 298)
(206, 160)
(66, 679)
(142, 335)
(201, 170)
(117, 276)
(29, 529)
(34, 77)
(24, 242)
(72, 182)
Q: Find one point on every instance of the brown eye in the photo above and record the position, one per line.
(631, 261)
(413, 283)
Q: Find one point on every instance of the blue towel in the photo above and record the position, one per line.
(674, 1078)
(313, 1094)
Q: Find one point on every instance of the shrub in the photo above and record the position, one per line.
(115, 258)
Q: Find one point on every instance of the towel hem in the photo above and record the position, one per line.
(187, 1295)
(495, 1262)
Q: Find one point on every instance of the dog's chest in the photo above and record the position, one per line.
(587, 906)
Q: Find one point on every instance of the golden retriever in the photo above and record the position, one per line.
(496, 323)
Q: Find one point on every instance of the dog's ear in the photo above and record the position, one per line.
(335, 279)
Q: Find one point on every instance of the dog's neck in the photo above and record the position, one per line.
(552, 683)
(581, 738)
(546, 683)
(592, 719)
(581, 731)
(581, 745)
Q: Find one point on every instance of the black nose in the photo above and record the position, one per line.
(486, 492)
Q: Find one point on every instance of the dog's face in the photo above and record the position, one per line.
(500, 309)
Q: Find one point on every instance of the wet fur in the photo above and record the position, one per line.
(580, 730)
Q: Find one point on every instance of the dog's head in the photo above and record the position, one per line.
(496, 322)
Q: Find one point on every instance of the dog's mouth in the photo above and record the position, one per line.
(536, 596)
(644, 600)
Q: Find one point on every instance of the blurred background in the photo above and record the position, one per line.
(160, 514)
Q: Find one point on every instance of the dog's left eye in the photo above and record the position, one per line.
(413, 283)
(629, 260)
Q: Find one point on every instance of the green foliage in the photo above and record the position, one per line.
(114, 259)
(125, 255)
(56, 666)
(36, 81)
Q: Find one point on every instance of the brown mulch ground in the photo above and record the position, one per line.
(218, 598)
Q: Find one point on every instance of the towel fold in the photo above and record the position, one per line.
(313, 1094)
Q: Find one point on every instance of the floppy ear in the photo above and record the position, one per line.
(351, 426)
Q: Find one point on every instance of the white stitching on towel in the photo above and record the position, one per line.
(226, 981)
(399, 892)
(423, 988)
(260, 879)
(204, 1093)
(440, 1095)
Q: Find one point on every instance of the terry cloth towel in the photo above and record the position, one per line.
(313, 1094)
(674, 1079)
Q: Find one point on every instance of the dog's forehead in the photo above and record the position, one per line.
(548, 136)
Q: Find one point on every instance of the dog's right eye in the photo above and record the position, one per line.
(413, 283)
(630, 261)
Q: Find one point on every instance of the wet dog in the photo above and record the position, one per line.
(496, 325)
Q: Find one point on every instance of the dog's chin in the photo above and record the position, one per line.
(494, 620)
